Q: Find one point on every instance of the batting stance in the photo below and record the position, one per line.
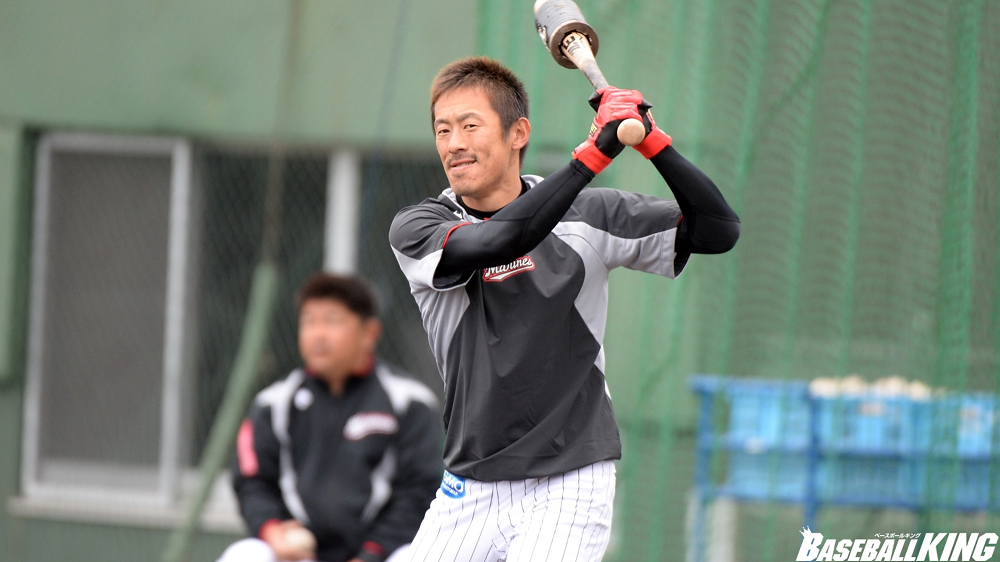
(338, 461)
(510, 274)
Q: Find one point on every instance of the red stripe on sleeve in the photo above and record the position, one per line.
(245, 450)
(452, 229)
(374, 548)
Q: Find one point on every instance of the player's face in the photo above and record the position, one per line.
(333, 340)
(476, 151)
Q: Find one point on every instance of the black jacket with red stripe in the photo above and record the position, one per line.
(358, 470)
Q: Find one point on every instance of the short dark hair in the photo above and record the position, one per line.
(503, 88)
(352, 291)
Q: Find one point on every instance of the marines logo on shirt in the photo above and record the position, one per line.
(363, 424)
(499, 273)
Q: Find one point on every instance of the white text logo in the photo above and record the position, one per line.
(504, 271)
(901, 547)
(363, 424)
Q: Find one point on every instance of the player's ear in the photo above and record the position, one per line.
(520, 133)
(372, 332)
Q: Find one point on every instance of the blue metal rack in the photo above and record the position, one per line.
(780, 443)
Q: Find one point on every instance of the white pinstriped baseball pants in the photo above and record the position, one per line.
(566, 517)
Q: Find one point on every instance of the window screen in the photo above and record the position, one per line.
(102, 294)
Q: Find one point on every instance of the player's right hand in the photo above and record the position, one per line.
(613, 106)
(284, 550)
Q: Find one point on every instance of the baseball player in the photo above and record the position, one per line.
(344, 447)
(510, 273)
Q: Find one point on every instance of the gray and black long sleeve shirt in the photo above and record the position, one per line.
(515, 302)
(358, 470)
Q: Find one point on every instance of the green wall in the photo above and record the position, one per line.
(40, 540)
(14, 205)
(213, 67)
(13, 242)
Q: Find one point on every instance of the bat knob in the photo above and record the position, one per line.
(631, 132)
(554, 20)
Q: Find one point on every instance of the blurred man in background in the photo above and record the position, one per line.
(339, 460)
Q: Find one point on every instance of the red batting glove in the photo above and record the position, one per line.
(602, 145)
(656, 140)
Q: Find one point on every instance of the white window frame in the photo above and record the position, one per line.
(343, 202)
(162, 507)
(169, 470)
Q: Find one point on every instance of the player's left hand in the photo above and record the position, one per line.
(277, 536)
(656, 140)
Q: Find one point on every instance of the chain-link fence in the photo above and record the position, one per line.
(858, 141)
(233, 185)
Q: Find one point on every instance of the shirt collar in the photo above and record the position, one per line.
(362, 373)
(481, 215)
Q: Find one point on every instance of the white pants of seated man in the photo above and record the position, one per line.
(256, 550)
(566, 517)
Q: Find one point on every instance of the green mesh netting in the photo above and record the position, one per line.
(858, 141)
